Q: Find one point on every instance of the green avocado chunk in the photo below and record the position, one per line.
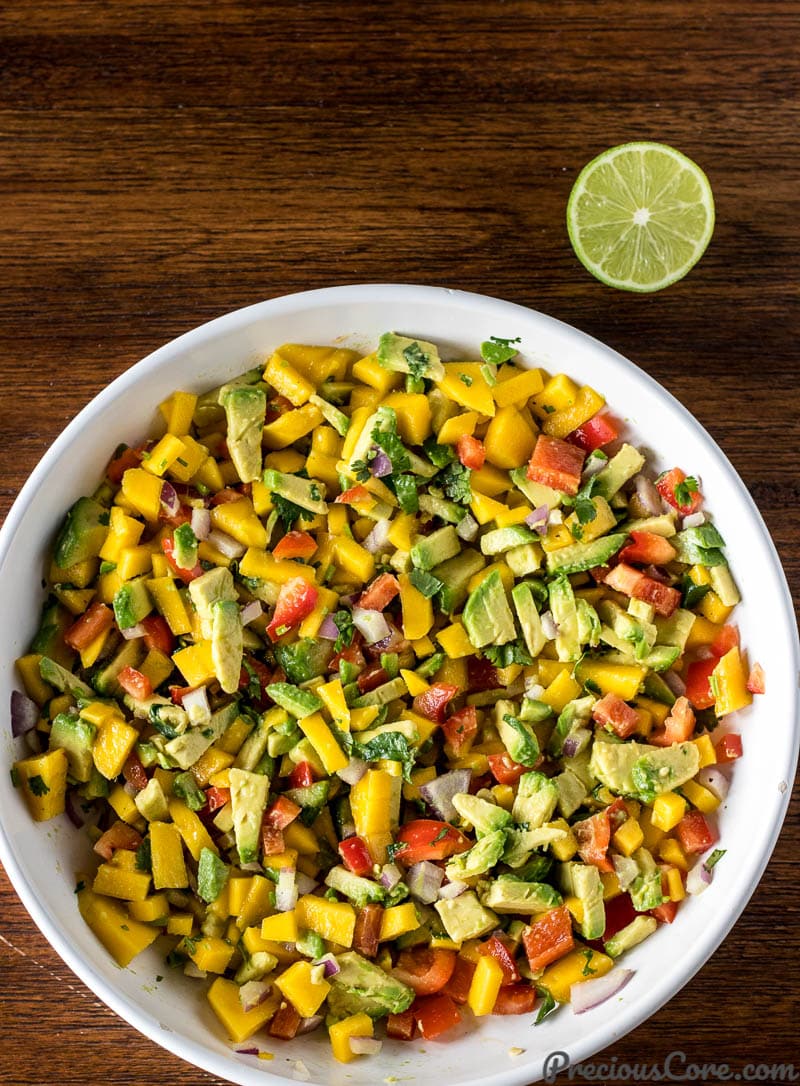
(212, 874)
(509, 894)
(245, 411)
(75, 736)
(487, 617)
(361, 987)
(83, 533)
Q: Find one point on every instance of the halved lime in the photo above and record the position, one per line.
(640, 216)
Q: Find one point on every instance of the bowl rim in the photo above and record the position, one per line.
(587, 1043)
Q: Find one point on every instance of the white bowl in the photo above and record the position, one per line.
(41, 860)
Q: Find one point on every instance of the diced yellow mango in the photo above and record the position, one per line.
(509, 440)
(558, 393)
(453, 672)
(621, 679)
(194, 834)
(418, 777)
(210, 953)
(43, 779)
(262, 566)
(573, 968)
(413, 415)
(304, 990)
(628, 837)
(398, 920)
(611, 886)
(417, 611)
(652, 833)
(371, 800)
(223, 995)
(712, 607)
(701, 798)
(414, 684)
(561, 690)
(121, 935)
(729, 682)
(357, 1025)
(484, 508)
(372, 373)
(123, 805)
(490, 481)
(143, 491)
(455, 641)
(464, 382)
(163, 454)
(287, 382)
(238, 519)
(180, 924)
(360, 719)
(485, 987)
(671, 852)
(112, 744)
(169, 867)
(506, 576)
(114, 881)
(290, 427)
(195, 663)
(321, 738)
(318, 364)
(456, 427)
(586, 404)
(333, 920)
(565, 847)
(706, 751)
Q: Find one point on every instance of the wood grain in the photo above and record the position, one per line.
(163, 163)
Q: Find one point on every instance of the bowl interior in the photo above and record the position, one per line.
(42, 860)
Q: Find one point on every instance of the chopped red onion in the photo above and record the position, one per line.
(329, 631)
(33, 741)
(195, 702)
(365, 1046)
(714, 780)
(251, 611)
(286, 890)
(305, 884)
(595, 462)
(131, 789)
(467, 528)
(350, 599)
(648, 496)
(393, 642)
(570, 747)
(556, 516)
(254, 865)
(330, 964)
(537, 520)
(201, 523)
(247, 1051)
(378, 537)
(656, 574)
(353, 771)
(699, 878)
(704, 653)
(439, 792)
(226, 544)
(452, 889)
(380, 465)
(308, 1025)
(191, 970)
(130, 633)
(626, 870)
(390, 876)
(586, 994)
(674, 682)
(24, 714)
(424, 880)
(694, 520)
(372, 624)
(549, 626)
(170, 500)
(533, 689)
(72, 805)
(253, 993)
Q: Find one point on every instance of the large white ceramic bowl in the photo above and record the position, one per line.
(41, 860)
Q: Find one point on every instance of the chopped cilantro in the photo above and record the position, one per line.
(714, 858)
(418, 361)
(80, 885)
(547, 1007)
(405, 488)
(549, 409)
(37, 786)
(585, 509)
(686, 491)
(587, 970)
(144, 859)
(455, 480)
(392, 746)
(440, 836)
(190, 944)
(159, 978)
(253, 681)
(15, 776)
(343, 621)
(175, 959)
(315, 493)
(692, 593)
(108, 567)
(497, 350)
(385, 435)
(393, 849)
(465, 379)
(288, 511)
(439, 455)
(514, 652)
(360, 470)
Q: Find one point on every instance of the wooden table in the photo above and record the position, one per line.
(163, 163)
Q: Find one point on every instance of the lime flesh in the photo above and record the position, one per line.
(640, 216)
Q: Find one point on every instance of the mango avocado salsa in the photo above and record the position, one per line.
(387, 689)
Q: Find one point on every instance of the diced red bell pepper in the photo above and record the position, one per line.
(401, 1027)
(728, 748)
(433, 702)
(756, 682)
(282, 812)
(674, 489)
(224, 497)
(118, 835)
(557, 464)
(461, 728)
(548, 938)
(136, 684)
(94, 621)
(134, 772)
(183, 515)
(725, 640)
(427, 839)
(121, 462)
(157, 634)
(619, 913)
(177, 693)
(272, 842)
(678, 727)
(695, 832)
(251, 666)
(460, 982)
(186, 575)
(358, 493)
(665, 912)
(504, 769)
(295, 545)
(355, 855)
(593, 835)
(481, 674)
(371, 678)
(217, 798)
(497, 949)
(598, 431)
(648, 549)
(435, 1014)
(380, 593)
(296, 600)
(425, 969)
(367, 932)
(612, 712)
(515, 999)
(285, 1023)
(698, 688)
(277, 406)
(632, 582)
(471, 451)
(302, 775)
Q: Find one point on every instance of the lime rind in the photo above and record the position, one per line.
(640, 216)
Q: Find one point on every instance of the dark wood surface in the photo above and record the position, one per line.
(163, 163)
